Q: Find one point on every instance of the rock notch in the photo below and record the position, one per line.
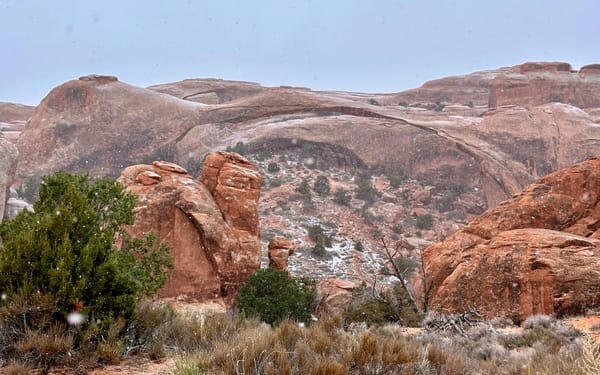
(537, 253)
(211, 225)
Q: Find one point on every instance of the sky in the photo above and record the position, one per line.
(366, 46)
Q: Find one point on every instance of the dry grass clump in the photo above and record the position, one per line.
(17, 368)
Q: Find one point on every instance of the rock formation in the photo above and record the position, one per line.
(441, 138)
(536, 253)
(211, 226)
(8, 160)
(538, 83)
(97, 124)
(279, 250)
(10, 112)
(334, 295)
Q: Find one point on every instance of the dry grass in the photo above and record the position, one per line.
(228, 345)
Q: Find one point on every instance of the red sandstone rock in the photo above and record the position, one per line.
(279, 250)
(148, 178)
(540, 83)
(334, 295)
(533, 254)
(235, 184)
(590, 69)
(544, 67)
(213, 253)
(12, 112)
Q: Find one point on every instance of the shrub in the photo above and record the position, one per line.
(62, 257)
(538, 321)
(342, 197)
(272, 295)
(379, 307)
(275, 182)
(239, 148)
(319, 250)
(321, 185)
(365, 191)
(273, 167)
(425, 221)
(397, 228)
(303, 191)
(358, 246)
(318, 235)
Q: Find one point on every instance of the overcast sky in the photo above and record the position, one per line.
(368, 45)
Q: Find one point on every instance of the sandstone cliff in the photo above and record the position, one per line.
(8, 159)
(536, 253)
(437, 150)
(99, 124)
(211, 225)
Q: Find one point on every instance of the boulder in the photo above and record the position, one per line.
(536, 253)
(279, 250)
(212, 230)
(334, 295)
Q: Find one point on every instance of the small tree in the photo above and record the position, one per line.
(273, 167)
(303, 191)
(401, 267)
(377, 307)
(318, 235)
(272, 295)
(425, 221)
(321, 185)
(365, 190)
(342, 197)
(239, 148)
(63, 253)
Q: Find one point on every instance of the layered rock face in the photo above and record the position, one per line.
(8, 161)
(538, 83)
(536, 253)
(98, 125)
(211, 225)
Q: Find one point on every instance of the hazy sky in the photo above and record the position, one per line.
(368, 45)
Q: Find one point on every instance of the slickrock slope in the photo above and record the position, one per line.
(537, 253)
(211, 226)
(99, 124)
(209, 91)
(8, 161)
(10, 112)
